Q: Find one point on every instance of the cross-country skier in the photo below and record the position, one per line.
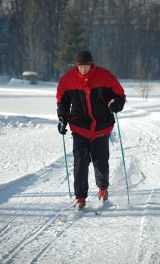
(87, 96)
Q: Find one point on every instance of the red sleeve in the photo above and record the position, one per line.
(60, 90)
(114, 84)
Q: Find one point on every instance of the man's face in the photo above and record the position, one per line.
(83, 69)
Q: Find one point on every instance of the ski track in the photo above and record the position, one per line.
(149, 141)
(48, 220)
(34, 233)
(52, 224)
(39, 234)
(148, 247)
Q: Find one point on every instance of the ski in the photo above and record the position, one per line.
(97, 210)
(101, 205)
(79, 207)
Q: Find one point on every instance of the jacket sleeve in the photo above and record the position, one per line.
(63, 100)
(115, 91)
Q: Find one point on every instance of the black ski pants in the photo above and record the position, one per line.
(84, 152)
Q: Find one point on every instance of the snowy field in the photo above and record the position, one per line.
(37, 221)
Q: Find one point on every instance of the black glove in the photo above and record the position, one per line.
(62, 125)
(114, 106)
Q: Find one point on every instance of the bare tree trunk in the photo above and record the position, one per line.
(117, 31)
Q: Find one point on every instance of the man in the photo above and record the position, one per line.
(87, 96)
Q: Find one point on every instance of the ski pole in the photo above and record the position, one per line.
(122, 151)
(67, 173)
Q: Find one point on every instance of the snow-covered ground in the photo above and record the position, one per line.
(37, 221)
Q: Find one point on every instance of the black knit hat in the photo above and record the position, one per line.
(83, 57)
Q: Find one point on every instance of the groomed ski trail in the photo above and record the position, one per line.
(38, 224)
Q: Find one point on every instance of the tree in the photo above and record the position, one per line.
(34, 35)
(52, 14)
(72, 39)
(143, 77)
(144, 88)
(3, 37)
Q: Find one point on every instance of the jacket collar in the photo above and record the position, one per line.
(85, 77)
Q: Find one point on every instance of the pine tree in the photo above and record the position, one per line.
(71, 40)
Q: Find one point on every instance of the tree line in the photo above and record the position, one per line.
(44, 35)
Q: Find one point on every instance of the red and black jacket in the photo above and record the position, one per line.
(83, 100)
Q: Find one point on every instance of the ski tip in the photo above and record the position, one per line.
(98, 213)
(78, 207)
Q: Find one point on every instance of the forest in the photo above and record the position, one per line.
(44, 35)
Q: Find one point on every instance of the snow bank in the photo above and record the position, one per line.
(29, 73)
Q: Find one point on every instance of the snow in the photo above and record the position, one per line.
(29, 73)
(37, 221)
